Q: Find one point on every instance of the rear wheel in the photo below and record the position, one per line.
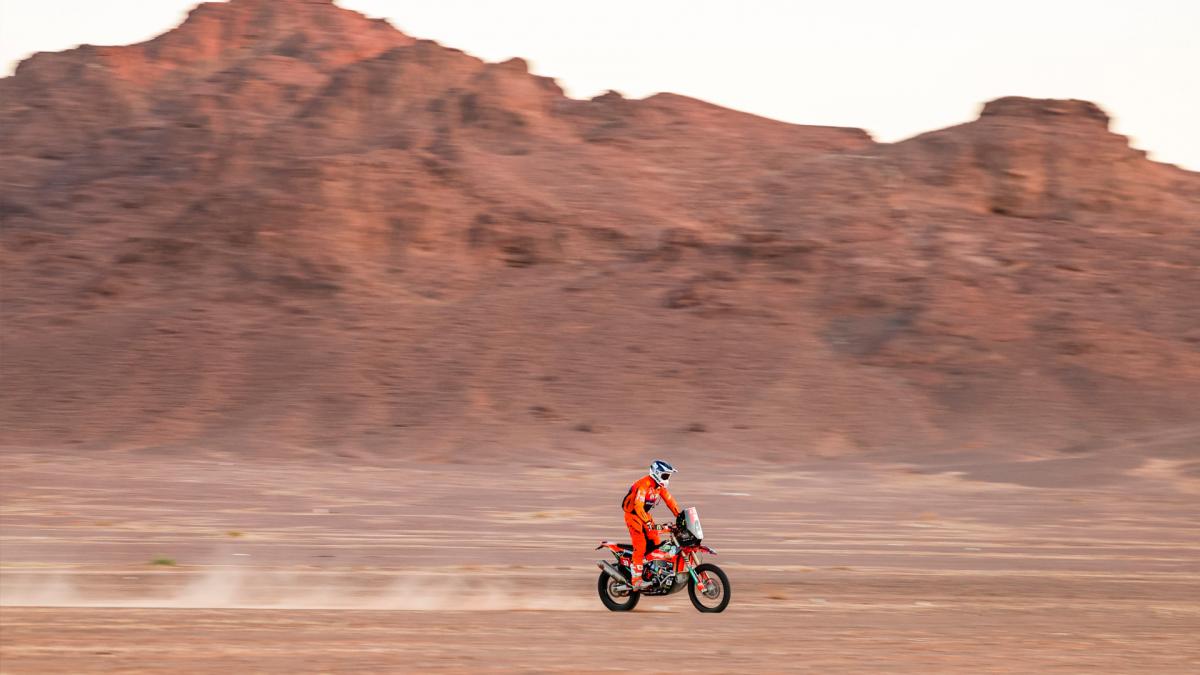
(616, 595)
(713, 596)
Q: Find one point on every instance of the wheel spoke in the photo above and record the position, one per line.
(710, 586)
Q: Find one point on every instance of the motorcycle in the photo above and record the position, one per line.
(669, 566)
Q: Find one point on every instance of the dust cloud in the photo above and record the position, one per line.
(238, 588)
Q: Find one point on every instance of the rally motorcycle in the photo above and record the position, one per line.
(668, 567)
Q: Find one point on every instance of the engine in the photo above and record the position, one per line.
(660, 573)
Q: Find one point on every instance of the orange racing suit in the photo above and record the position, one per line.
(643, 495)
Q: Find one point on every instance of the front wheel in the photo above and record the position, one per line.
(712, 594)
(616, 596)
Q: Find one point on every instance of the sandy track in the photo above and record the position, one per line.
(293, 567)
(826, 639)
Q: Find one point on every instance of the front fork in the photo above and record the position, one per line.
(693, 561)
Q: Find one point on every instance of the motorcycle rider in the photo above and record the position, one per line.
(643, 495)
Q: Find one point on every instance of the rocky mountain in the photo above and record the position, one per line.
(284, 226)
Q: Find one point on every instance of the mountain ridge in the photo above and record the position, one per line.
(285, 225)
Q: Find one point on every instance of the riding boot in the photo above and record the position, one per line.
(636, 574)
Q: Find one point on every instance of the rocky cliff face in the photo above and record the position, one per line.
(284, 225)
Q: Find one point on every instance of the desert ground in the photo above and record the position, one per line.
(201, 564)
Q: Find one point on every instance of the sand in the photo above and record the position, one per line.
(304, 566)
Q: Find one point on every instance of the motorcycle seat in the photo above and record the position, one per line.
(628, 548)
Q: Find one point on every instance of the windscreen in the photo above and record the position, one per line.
(691, 519)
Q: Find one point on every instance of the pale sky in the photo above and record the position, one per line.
(893, 67)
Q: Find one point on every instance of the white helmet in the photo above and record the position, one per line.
(661, 471)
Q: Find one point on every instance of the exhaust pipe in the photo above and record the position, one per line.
(611, 571)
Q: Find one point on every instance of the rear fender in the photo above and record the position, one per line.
(615, 548)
